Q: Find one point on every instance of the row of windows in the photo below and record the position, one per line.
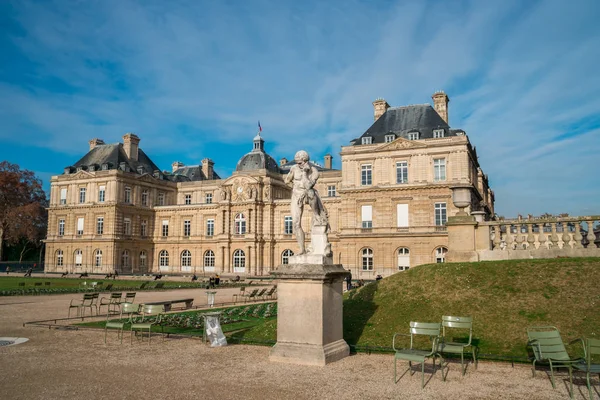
(437, 133)
(402, 255)
(439, 210)
(127, 197)
(439, 172)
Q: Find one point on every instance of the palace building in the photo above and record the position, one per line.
(115, 210)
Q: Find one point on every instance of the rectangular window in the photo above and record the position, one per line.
(100, 226)
(208, 198)
(187, 227)
(188, 199)
(161, 199)
(165, 228)
(128, 195)
(367, 217)
(101, 194)
(438, 133)
(210, 227)
(390, 138)
(145, 198)
(366, 176)
(440, 213)
(402, 215)
(439, 169)
(63, 196)
(402, 172)
(144, 228)
(413, 136)
(61, 227)
(80, 226)
(367, 140)
(288, 226)
(331, 192)
(126, 226)
(82, 195)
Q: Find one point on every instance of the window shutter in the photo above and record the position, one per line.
(367, 213)
(63, 194)
(402, 211)
(80, 224)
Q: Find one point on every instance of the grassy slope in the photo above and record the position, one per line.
(504, 298)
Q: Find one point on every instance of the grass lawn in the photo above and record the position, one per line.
(503, 297)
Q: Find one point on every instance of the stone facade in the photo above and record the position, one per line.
(114, 210)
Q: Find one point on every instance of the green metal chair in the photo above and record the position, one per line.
(129, 297)
(236, 296)
(448, 344)
(592, 347)
(151, 315)
(418, 355)
(128, 311)
(548, 347)
(88, 301)
(250, 296)
(113, 301)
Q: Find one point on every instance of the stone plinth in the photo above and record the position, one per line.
(309, 314)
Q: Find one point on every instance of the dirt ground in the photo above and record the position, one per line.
(75, 364)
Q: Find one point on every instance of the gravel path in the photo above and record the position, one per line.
(59, 364)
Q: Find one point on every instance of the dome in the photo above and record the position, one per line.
(257, 158)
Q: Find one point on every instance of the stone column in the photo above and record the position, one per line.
(461, 239)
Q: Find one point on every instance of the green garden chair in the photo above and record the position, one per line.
(250, 296)
(592, 347)
(448, 344)
(114, 301)
(129, 297)
(128, 311)
(548, 347)
(151, 315)
(418, 355)
(88, 301)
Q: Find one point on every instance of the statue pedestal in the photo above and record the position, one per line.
(309, 315)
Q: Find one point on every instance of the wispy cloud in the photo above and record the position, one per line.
(192, 77)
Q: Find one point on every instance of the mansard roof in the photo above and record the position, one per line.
(191, 173)
(114, 155)
(400, 121)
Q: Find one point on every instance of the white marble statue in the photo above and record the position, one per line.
(304, 176)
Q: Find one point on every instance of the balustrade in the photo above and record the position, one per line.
(555, 233)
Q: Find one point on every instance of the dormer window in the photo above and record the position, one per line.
(390, 137)
(67, 170)
(105, 167)
(460, 133)
(367, 140)
(438, 133)
(413, 136)
(140, 170)
(92, 168)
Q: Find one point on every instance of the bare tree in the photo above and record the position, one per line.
(22, 206)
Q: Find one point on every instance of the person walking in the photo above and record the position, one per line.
(217, 280)
(7, 269)
(349, 280)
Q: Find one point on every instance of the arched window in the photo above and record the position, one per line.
(367, 259)
(59, 258)
(78, 256)
(125, 258)
(285, 256)
(403, 259)
(143, 258)
(186, 260)
(209, 260)
(239, 261)
(98, 258)
(163, 258)
(440, 254)
(240, 224)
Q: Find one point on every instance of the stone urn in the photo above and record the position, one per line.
(461, 198)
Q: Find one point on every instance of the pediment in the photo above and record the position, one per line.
(80, 175)
(240, 188)
(146, 178)
(401, 144)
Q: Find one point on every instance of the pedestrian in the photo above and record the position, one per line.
(349, 280)
(28, 273)
(7, 269)
(211, 281)
(217, 280)
(194, 278)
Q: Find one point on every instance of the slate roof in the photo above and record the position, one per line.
(401, 120)
(114, 155)
(191, 173)
(257, 159)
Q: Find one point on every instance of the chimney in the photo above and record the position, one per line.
(176, 165)
(328, 159)
(440, 103)
(130, 145)
(208, 168)
(380, 106)
(95, 142)
(283, 161)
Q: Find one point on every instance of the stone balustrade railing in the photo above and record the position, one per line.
(544, 233)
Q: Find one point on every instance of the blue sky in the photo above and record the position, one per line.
(192, 78)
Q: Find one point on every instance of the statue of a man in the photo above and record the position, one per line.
(304, 176)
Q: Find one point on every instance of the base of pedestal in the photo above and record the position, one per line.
(309, 354)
